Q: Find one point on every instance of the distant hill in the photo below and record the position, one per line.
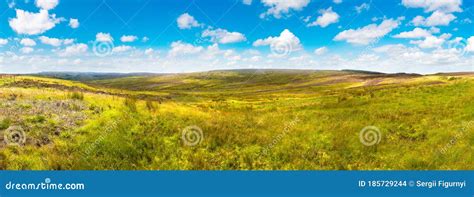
(88, 76)
(243, 80)
(251, 80)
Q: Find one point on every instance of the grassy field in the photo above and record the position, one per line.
(245, 119)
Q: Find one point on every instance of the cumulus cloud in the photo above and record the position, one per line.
(286, 40)
(395, 48)
(446, 6)
(149, 51)
(51, 41)
(466, 21)
(415, 33)
(321, 51)
(73, 23)
(363, 7)
(33, 23)
(26, 50)
(369, 33)
(47, 4)
(223, 36)
(73, 50)
(103, 37)
(186, 21)
(438, 18)
(180, 48)
(247, 2)
(383, 59)
(122, 48)
(407, 57)
(431, 41)
(327, 17)
(278, 8)
(11, 4)
(129, 38)
(3, 41)
(213, 52)
(470, 44)
(418, 21)
(27, 42)
(337, 1)
(68, 41)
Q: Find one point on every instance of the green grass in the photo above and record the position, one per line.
(271, 120)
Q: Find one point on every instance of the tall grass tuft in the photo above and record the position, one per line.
(131, 104)
(77, 96)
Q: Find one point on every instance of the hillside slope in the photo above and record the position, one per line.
(270, 119)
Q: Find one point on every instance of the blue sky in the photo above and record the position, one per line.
(422, 36)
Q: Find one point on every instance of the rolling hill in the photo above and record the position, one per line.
(237, 119)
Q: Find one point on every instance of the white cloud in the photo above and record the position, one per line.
(415, 33)
(27, 42)
(26, 50)
(33, 23)
(447, 6)
(367, 58)
(362, 7)
(77, 61)
(122, 48)
(68, 41)
(337, 1)
(455, 41)
(186, 21)
(286, 39)
(431, 41)
(223, 36)
(145, 39)
(434, 30)
(3, 41)
(412, 58)
(213, 52)
(181, 48)
(125, 38)
(50, 41)
(466, 21)
(73, 23)
(149, 51)
(369, 33)
(383, 59)
(328, 17)
(321, 51)
(438, 18)
(470, 44)
(47, 4)
(104, 37)
(11, 4)
(395, 48)
(247, 2)
(418, 21)
(281, 7)
(76, 49)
